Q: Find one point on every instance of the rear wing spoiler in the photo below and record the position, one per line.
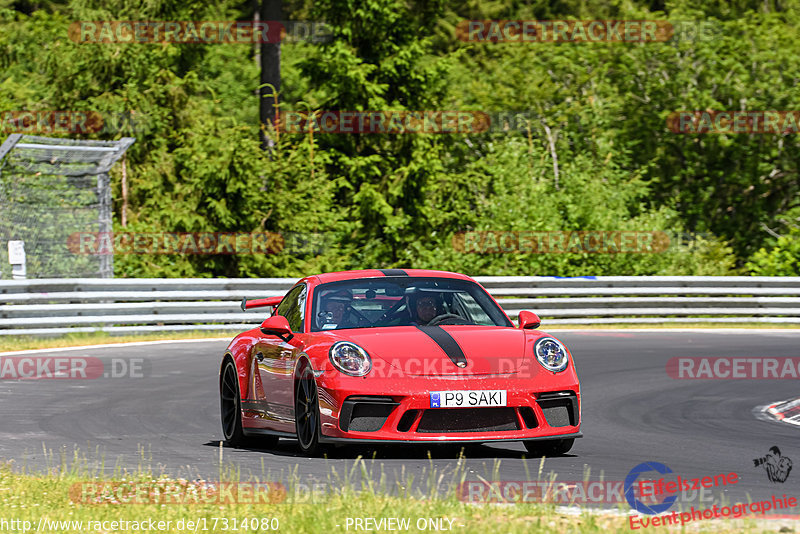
(260, 303)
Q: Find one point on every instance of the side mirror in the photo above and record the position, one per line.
(277, 325)
(529, 320)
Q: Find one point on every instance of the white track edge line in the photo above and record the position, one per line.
(106, 345)
(764, 413)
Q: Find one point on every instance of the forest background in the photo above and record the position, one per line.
(593, 152)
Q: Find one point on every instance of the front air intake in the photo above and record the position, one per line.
(365, 414)
(407, 421)
(446, 420)
(560, 408)
(528, 417)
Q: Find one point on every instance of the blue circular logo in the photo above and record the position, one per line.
(630, 482)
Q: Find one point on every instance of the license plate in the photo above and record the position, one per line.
(468, 399)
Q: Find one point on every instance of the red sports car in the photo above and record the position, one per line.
(396, 355)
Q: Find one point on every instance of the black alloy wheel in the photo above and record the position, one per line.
(306, 413)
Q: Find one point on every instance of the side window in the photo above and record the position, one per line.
(293, 307)
(473, 310)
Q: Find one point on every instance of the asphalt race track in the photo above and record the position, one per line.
(168, 418)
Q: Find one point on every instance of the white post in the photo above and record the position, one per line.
(16, 257)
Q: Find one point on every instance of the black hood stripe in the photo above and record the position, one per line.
(393, 272)
(450, 346)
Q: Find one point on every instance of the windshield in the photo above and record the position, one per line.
(403, 301)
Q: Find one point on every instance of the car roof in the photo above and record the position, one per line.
(377, 273)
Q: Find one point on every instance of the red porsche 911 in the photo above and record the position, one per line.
(390, 355)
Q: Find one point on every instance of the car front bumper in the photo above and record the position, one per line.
(375, 410)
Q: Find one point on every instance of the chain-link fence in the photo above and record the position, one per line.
(51, 189)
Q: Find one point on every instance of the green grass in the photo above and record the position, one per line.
(29, 498)
(56, 496)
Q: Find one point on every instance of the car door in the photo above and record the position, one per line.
(275, 359)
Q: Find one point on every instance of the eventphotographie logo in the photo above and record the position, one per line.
(671, 489)
(777, 467)
(630, 483)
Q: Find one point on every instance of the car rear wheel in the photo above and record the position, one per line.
(230, 402)
(230, 405)
(550, 447)
(306, 413)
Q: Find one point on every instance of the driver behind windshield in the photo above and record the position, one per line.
(424, 308)
(336, 311)
(334, 307)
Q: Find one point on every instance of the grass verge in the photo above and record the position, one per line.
(12, 343)
(67, 500)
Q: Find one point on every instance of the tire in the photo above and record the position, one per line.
(550, 447)
(230, 407)
(306, 413)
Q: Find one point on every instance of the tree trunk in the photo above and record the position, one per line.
(270, 71)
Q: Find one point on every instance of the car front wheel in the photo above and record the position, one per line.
(306, 413)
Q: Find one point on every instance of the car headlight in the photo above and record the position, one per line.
(552, 354)
(350, 359)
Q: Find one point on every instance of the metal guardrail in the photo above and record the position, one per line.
(58, 306)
